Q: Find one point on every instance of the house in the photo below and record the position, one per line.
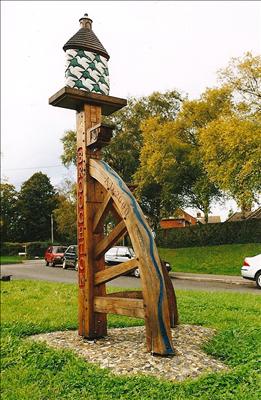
(239, 216)
(179, 220)
(212, 219)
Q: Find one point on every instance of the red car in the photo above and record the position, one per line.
(54, 255)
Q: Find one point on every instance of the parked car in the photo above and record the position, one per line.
(54, 255)
(119, 254)
(70, 258)
(252, 269)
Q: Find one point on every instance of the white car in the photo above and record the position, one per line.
(252, 269)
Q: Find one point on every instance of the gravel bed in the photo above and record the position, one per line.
(123, 352)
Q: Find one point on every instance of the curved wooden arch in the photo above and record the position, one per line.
(157, 303)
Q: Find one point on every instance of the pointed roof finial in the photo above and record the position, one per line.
(86, 22)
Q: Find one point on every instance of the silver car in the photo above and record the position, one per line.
(119, 254)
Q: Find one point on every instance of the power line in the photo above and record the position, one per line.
(47, 166)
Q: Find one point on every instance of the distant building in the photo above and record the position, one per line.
(239, 216)
(179, 220)
(212, 219)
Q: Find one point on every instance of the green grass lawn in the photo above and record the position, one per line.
(10, 260)
(225, 259)
(34, 371)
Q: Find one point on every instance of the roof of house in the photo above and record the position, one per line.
(85, 39)
(181, 215)
(255, 214)
(212, 219)
(239, 216)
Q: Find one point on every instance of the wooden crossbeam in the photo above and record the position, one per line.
(119, 305)
(112, 272)
(109, 240)
(101, 213)
(128, 294)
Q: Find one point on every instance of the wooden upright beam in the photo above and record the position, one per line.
(90, 195)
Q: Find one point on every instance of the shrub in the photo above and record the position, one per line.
(36, 249)
(11, 249)
(248, 231)
(33, 249)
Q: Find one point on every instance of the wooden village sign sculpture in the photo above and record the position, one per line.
(100, 191)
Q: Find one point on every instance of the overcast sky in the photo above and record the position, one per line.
(154, 45)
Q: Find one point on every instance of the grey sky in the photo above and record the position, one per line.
(154, 45)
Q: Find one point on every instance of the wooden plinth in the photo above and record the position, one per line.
(74, 99)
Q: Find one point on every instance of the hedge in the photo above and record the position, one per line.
(33, 249)
(248, 231)
(11, 249)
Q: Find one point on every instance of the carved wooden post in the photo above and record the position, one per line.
(91, 324)
(100, 191)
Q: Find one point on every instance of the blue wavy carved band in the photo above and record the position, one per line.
(139, 216)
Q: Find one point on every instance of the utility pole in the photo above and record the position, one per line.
(52, 228)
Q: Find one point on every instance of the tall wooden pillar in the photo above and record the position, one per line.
(89, 196)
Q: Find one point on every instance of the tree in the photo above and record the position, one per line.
(163, 174)
(69, 148)
(8, 212)
(231, 150)
(65, 213)
(170, 155)
(123, 152)
(231, 144)
(243, 76)
(35, 204)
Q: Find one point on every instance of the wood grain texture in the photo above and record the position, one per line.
(172, 300)
(90, 194)
(156, 305)
(119, 305)
(75, 99)
(128, 294)
(113, 272)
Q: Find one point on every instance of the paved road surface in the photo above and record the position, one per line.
(37, 270)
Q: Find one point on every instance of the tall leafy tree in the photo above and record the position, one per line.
(231, 144)
(231, 149)
(163, 173)
(69, 148)
(243, 76)
(170, 156)
(8, 207)
(36, 202)
(65, 213)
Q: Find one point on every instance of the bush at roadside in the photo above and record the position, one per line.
(248, 231)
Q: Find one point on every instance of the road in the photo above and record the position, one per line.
(36, 270)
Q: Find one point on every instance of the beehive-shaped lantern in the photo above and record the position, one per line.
(86, 61)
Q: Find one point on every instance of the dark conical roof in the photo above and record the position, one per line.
(85, 39)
